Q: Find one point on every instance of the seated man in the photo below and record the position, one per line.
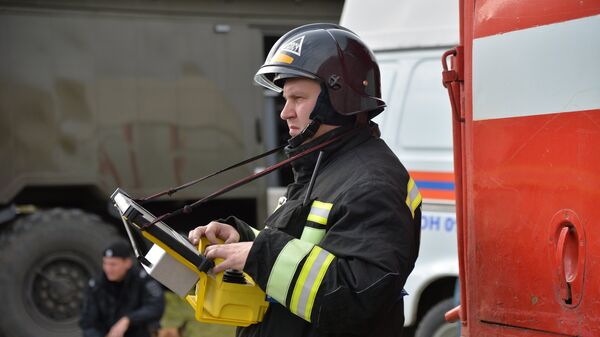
(123, 300)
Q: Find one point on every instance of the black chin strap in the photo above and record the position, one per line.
(306, 134)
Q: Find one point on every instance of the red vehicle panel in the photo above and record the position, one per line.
(496, 17)
(528, 160)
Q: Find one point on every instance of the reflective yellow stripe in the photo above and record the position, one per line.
(312, 235)
(309, 281)
(317, 219)
(413, 196)
(319, 278)
(255, 231)
(285, 267)
(415, 203)
(310, 260)
(319, 212)
(322, 205)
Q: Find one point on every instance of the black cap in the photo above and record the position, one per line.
(117, 249)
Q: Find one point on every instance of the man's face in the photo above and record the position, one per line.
(116, 268)
(300, 98)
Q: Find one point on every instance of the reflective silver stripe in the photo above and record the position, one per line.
(312, 235)
(413, 197)
(324, 213)
(309, 281)
(319, 212)
(285, 267)
(414, 193)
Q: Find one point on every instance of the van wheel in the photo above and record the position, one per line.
(434, 324)
(47, 259)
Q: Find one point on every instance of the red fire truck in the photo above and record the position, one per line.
(525, 88)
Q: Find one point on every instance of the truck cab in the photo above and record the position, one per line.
(524, 86)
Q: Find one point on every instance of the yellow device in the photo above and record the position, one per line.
(229, 297)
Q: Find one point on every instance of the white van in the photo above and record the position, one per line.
(408, 39)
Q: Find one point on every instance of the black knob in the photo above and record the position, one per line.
(234, 276)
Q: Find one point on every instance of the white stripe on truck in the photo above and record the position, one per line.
(541, 70)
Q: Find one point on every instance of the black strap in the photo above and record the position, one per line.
(308, 132)
(174, 190)
(189, 208)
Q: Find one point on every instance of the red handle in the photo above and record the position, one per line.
(560, 262)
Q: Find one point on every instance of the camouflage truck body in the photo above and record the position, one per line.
(143, 95)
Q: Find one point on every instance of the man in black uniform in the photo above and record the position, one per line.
(123, 301)
(334, 257)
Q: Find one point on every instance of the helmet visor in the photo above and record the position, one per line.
(268, 76)
(263, 80)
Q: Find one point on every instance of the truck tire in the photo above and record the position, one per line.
(434, 324)
(46, 261)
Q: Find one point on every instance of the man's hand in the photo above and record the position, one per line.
(234, 255)
(119, 328)
(214, 230)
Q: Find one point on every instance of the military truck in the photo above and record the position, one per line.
(142, 95)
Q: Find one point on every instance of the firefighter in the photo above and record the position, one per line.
(123, 300)
(333, 259)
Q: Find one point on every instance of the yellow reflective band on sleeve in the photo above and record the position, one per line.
(413, 196)
(309, 281)
(285, 267)
(319, 212)
(255, 231)
(312, 235)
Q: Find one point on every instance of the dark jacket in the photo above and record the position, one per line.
(138, 297)
(336, 266)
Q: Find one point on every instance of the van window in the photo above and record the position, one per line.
(426, 115)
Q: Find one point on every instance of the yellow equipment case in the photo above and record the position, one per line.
(229, 297)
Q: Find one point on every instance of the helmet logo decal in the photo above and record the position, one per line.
(283, 58)
(334, 82)
(294, 46)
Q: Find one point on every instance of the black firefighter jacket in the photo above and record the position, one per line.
(336, 265)
(138, 297)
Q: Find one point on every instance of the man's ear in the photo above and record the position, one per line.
(129, 262)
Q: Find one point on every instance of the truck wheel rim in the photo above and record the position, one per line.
(56, 287)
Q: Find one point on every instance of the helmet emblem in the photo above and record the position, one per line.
(294, 46)
(334, 82)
